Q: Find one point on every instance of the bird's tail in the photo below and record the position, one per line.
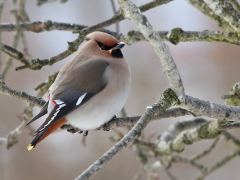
(43, 134)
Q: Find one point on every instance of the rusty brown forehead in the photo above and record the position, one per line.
(103, 38)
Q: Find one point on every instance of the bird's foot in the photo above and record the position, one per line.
(114, 117)
(106, 126)
(85, 133)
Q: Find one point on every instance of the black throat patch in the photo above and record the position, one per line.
(117, 53)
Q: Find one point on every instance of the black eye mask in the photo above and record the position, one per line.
(115, 53)
(104, 47)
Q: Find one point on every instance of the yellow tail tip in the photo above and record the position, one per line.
(30, 147)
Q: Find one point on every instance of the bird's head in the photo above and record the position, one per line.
(107, 43)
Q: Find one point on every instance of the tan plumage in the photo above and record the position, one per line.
(89, 90)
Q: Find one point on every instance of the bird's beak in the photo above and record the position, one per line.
(119, 46)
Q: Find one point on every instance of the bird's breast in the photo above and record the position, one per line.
(106, 103)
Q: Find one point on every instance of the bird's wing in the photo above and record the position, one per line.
(76, 87)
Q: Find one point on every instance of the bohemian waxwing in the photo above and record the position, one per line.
(89, 90)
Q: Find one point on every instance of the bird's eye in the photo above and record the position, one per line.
(102, 46)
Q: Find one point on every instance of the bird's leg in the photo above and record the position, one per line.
(106, 127)
(85, 133)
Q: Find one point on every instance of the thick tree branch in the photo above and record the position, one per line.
(177, 35)
(176, 128)
(134, 14)
(203, 7)
(208, 109)
(226, 11)
(236, 4)
(208, 130)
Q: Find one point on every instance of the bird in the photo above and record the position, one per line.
(89, 90)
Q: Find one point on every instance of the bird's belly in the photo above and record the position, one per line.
(98, 110)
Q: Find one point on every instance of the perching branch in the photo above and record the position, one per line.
(131, 121)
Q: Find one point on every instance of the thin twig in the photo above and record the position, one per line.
(13, 53)
(232, 139)
(115, 12)
(181, 158)
(230, 125)
(218, 164)
(20, 95)
(1, 10)
(3, 141)
(233, 96)
(41, 2)
(36, 64)
(207, 151)
(138, 175)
